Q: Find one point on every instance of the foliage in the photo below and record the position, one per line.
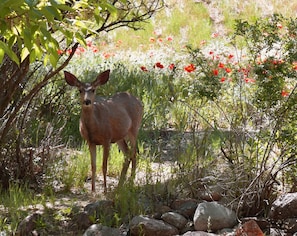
(37, 40)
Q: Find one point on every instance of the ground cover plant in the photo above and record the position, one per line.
(221, 106)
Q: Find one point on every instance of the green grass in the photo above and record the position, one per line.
(14, 204)
(189, 24)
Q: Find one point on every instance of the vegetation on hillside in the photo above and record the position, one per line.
(226, 100)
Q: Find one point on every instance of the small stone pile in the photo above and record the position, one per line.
(186, 217)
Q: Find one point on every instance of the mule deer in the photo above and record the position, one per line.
(106, 121)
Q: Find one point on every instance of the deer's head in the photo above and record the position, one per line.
(87, 90)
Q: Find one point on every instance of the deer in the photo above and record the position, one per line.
(104, 121)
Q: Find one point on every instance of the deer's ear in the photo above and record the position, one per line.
(71, 79)
(101, 78)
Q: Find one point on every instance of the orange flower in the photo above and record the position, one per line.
(60, 52)
(285, 93)
(215, 72)
(228, 70)
(152, 39)
(189, 68)
(221, 65)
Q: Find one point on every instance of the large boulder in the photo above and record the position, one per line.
(284, 207)
(283, 212)
(213, 216)
(27, 225)
(174, 219)
(144, 226)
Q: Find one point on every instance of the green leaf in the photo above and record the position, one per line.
(12, 40)
(38, 52)
(80, 39)
(53, 60)
(1, 55)
(32, 55)
(27, 38)
(24, 53)
(9, 52)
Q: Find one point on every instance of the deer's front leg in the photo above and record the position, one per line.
(92, 148)
(106, 148)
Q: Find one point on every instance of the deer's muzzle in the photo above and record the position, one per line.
(87, 102)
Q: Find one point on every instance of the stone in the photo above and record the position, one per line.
(81, 221)
(103, 208)
(27, 225)
(174, 219)
(213, 216)
(249, 228)
(261, 222)
(185, 207)
(100, 230)
(198, 233)
(144, 226)
(284, 207)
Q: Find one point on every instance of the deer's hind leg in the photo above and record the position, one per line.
(125, 149)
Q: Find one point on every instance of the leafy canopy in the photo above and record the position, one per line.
(38, 27)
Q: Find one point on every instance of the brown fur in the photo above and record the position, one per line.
(103, 122)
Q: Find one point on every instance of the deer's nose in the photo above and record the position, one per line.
(87, 102)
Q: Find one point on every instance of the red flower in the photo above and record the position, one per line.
(215, 72)
(223, 79)
(89, 43)
(189, 68)
(295, 65)
(94, 49)
(60, 52)
(228, 70)
(171, 66)
(285, 93)
(248, 80)
(279, 25)
(169, 38)
(159, 65)
(230, 56)
(143, 68)
(221, 65)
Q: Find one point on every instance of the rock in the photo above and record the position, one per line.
(261, 222)
(144, 226)
(174, 219)
(97, 210)
(277, 232)
(81, 220)
(99, 230)
(213, 216)
(27, 225)
(198, 233)
(185, 207)
(283, 213)
(249, 228)
(284, 207)
(290, 225)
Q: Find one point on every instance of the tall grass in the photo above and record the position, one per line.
(14, 204)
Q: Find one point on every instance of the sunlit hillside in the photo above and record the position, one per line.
(192, 21)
